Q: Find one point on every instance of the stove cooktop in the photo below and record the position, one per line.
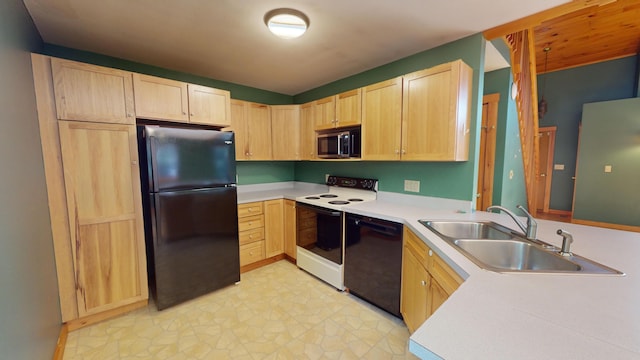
(343, 191)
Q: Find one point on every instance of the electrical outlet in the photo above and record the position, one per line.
(412, 185)
(607, 168)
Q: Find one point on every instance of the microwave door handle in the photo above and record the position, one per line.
(340, 144)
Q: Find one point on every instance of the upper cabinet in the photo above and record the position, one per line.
(285, 132)
(251, 123)
(164, 99)
(209, 106)
(307, 131)
(421, 116)
(92, 93)
(381, 120)
(435, 113)
(342, 110)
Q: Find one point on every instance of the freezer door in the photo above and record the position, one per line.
(195, 243)
(189, 158)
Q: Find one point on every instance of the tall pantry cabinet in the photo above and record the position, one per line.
(88, 135)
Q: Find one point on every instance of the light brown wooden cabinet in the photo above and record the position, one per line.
(427, 281)
(381, 120)
(251, 123)
(164, 99)
(422, 116)
(285, 132)
(307, 131)
(290, 248)
(436, 113)
(274, 227)
(88, 137)
(104, 205)
(92, 93)
(342, 110)
(251, 232)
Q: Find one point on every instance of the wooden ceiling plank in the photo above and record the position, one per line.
(538, 18)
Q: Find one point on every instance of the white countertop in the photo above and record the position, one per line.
(517, 315)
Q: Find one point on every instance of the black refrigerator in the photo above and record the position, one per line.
(190, 211)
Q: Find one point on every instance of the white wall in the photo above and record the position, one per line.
(29, 307)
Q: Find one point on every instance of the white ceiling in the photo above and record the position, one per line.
(227, 39)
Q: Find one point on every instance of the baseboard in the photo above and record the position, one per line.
(559, 212)
(62, 342)
(261, 263)
(290, 259)
(92, 319)
(606, 225)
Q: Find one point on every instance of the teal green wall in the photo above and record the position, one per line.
(258, 172)
(451, 180)
(237, 91)
(610, 136)
(566, 91)
(508, 191)
(29, 306)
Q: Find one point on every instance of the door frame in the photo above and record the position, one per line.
(549, 170)
(487, 163)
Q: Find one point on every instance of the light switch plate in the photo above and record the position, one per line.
(558, 167)
(412, 185)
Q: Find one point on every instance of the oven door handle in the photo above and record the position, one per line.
(320, 210)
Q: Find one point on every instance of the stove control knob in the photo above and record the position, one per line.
(331, 180)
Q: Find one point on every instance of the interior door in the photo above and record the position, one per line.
(546, 137)
(486, 167)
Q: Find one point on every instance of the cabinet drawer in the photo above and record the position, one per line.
(250, 223)
(448, 279)
(249, 209)
(250, 236)
(417, 247)
(251, 253)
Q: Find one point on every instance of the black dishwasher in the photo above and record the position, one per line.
(373, 261)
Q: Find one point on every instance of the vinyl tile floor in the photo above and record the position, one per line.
(275, 312)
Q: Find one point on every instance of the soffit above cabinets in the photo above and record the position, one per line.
(227, 39)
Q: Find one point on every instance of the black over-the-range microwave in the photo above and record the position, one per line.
(338, 144)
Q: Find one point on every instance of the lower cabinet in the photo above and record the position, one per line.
(427, 281)
(261, 228)
(290, 248)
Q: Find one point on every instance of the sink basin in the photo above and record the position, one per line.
(497, 248)
(469, 229)
(515, 255)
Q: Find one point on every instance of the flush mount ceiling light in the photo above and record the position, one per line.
(286, 23)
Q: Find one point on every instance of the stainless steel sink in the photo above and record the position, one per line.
(515, 255)
(498, 248)
(469, 229)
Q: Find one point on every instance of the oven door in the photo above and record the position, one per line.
(319, 231)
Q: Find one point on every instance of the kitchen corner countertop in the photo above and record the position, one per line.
(530, 316)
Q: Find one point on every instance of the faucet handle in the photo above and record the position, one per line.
(532, 224)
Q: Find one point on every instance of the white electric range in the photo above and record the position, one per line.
(320, 226)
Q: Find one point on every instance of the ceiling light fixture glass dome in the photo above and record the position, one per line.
(286, 23)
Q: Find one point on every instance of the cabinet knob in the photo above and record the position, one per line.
(404, 151)
(191, 114)
(250, 223)
(129, 115)
(250, 236)
(397, 151)
(423, 283)
(134, 162)
(184, 113)
(430, 252)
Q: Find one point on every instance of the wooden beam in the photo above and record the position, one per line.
(538, 18)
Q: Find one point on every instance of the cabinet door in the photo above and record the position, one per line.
(274, 227)
(415, 290)
(435, 116)
(437, 296)
(349, 108)
(160, 99)
(307, 132)
(209, 106)
(285, 132)
(239, 127)
(325, 113)
(259, 132)
(381, 120)
(290, 228)
(102, 185)
(92, 93)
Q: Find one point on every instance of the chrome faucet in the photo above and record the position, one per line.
(529, 230)
(567, 239)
